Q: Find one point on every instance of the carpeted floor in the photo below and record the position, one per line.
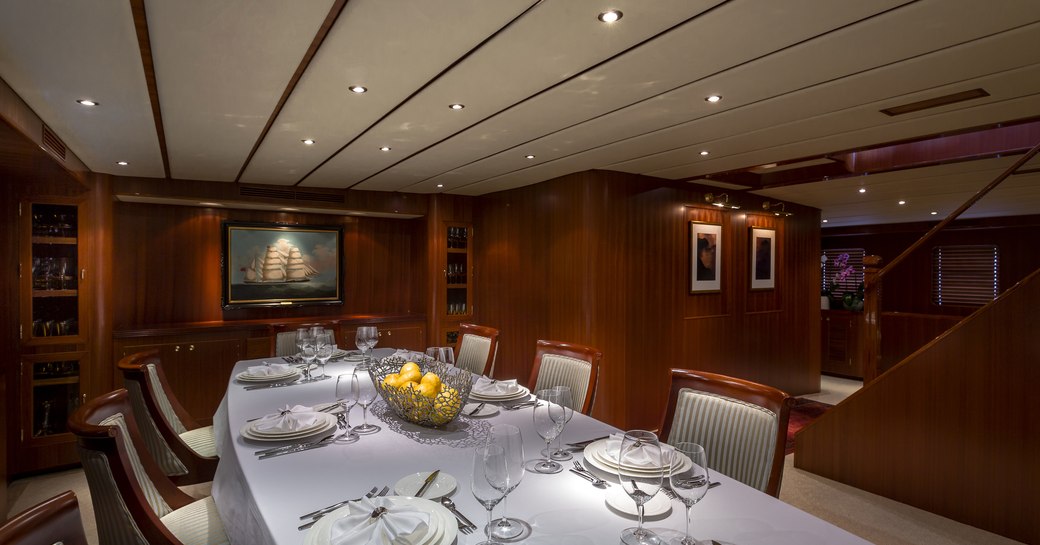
(803, 412)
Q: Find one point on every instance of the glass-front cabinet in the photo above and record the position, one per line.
(458, 269)
(52, 382)
(51, 275)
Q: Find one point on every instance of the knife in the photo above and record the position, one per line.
(275, 385)
(301, 448)
(587, 443)
(426, 484)
(476, 409)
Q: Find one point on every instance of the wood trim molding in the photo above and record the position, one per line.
(144, 43)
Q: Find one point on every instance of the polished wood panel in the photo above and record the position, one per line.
(902, 334)
(602, 259)
(840, 350)
(952, 429)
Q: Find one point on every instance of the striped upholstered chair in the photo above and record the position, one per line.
(54, 521)
(742, 425)
(476, 348)
(134, 502)
(567, 364)
(184, 450)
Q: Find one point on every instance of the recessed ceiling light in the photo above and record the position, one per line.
(122, 163)
(384, 148)
(862, 190)
(902, 202)
(440, 185)
(528, 156)
(210, 204)
(291, 209)
(357, 89)
(935, 213)
(713, 98)
(704, 152)
(308, 141)
(456, 106)
(824, 221)
(88, 102)
(610, 16)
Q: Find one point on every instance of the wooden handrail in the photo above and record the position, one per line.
(870, 323)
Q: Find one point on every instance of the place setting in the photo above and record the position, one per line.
(385, 520)
(268, 373)
(506, 392)
(289, 424)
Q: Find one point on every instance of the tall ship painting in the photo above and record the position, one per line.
(282, 262)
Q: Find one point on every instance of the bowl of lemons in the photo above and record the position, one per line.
(428, 393)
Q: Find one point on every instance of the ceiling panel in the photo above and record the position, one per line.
(53, 54)
(221, 68)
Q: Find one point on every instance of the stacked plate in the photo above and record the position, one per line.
(244, 376)
(442, 529)
(596, 454)
(323, 423)
(518, 394)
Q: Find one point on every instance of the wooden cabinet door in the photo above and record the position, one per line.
(841, 354)
(50, 389)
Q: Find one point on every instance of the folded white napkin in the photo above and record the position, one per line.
(269, 369)
(398, 522)
(288, 419)
(637, 457)
(487, 386)
(408, 355)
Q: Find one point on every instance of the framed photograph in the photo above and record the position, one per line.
(763, 259)
(705, 257)
(269, 264)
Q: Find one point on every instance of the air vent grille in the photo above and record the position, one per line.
(322, 197)
(53, 144)
(289, 194)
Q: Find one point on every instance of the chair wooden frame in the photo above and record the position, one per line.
(571, 350)
(764, 396)
(480, 331)
(109, 441)
(56, 520)
(200, 468)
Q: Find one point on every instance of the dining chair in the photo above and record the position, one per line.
(134, 502)
(185, 450)
(55, 521)
(742, 425)
(476, 349)
(567, 364)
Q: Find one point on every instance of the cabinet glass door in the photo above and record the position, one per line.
(54, 393)
(53, 273)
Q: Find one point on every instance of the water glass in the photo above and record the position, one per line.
(363, 392)
(643, 486)
(366, 338)
(490, 476)
(324, 352)
(689, 485)
(346, 399)
(547, 416)
(567, 403)
(511, 440)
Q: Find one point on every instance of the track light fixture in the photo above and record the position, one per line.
(778, 209)
(722, 201)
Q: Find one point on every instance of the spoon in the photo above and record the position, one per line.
(446, 502)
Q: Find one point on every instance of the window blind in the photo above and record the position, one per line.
(832, 269)
(965, 275)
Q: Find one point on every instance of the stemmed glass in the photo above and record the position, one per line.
(345, 398)
(302, 334)
(643, 446)
(490, 478)
(511, 440)
(547, 417)
(565, 401)
(325, 348)
(690, 485)
(309, 353)
(363, 392)
(366, 338)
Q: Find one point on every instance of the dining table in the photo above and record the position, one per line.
(260, 501)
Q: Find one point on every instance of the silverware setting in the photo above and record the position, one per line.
(588, 475)
(316, 515)
(583, 444)
(521, 405)
(273, 385)
(466, 526)
(273, 450)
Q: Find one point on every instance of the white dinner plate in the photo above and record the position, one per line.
(327, 422)
(321, 420)
(443, 485)
(596, 455)
(486, 410)
(521, 392)
(618, 500)
(244, 376)
(442, 529)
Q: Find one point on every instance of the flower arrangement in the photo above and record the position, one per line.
(844, 271)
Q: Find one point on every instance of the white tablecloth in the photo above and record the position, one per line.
(260, 500)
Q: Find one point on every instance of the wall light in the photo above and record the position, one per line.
(722, 201)
(778, 209)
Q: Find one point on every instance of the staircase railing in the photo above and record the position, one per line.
(870, 324)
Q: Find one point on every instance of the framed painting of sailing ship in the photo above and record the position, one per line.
(271, 264)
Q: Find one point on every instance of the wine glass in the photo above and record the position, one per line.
(361, 339)
(371, 336)
(642, 448)
(689, 485)
(447, 355)
(346, 399)
(309, 354)
(547, 415)
(301, 336)
(566, 402)
(511, 440)
(363, 392)
(490, 478)
(324, 352)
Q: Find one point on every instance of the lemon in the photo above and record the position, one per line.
(411, 366)
(411, 375)
(432, 378)
(428, 389)
(392, 380)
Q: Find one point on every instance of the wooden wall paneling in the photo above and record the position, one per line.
(903, 333)
(952, 429)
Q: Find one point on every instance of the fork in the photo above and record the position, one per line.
(597, 481)
(322, 512)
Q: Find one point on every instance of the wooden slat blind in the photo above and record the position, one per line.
(831, 269)
(965, 275)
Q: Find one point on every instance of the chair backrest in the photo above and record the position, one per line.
(476, 348)
(162, 420)
(129, 491)
(742, 425)
(567, 364)
(55, 521)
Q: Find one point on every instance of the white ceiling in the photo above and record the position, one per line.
(799, 79)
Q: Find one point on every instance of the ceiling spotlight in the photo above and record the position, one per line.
(357, 89)
(935, 213)
(722, 201)
(440, 185)
(88, 102)
(456, 106)
(902, 202)
(528, 156)
(862, 190)
(122, 163)
(704, 152)
(610, 16)
(824, 221)
(713, 98)
(308, 141)
(291, 209)
(210, 204)
(384, 148)
(778, 209)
